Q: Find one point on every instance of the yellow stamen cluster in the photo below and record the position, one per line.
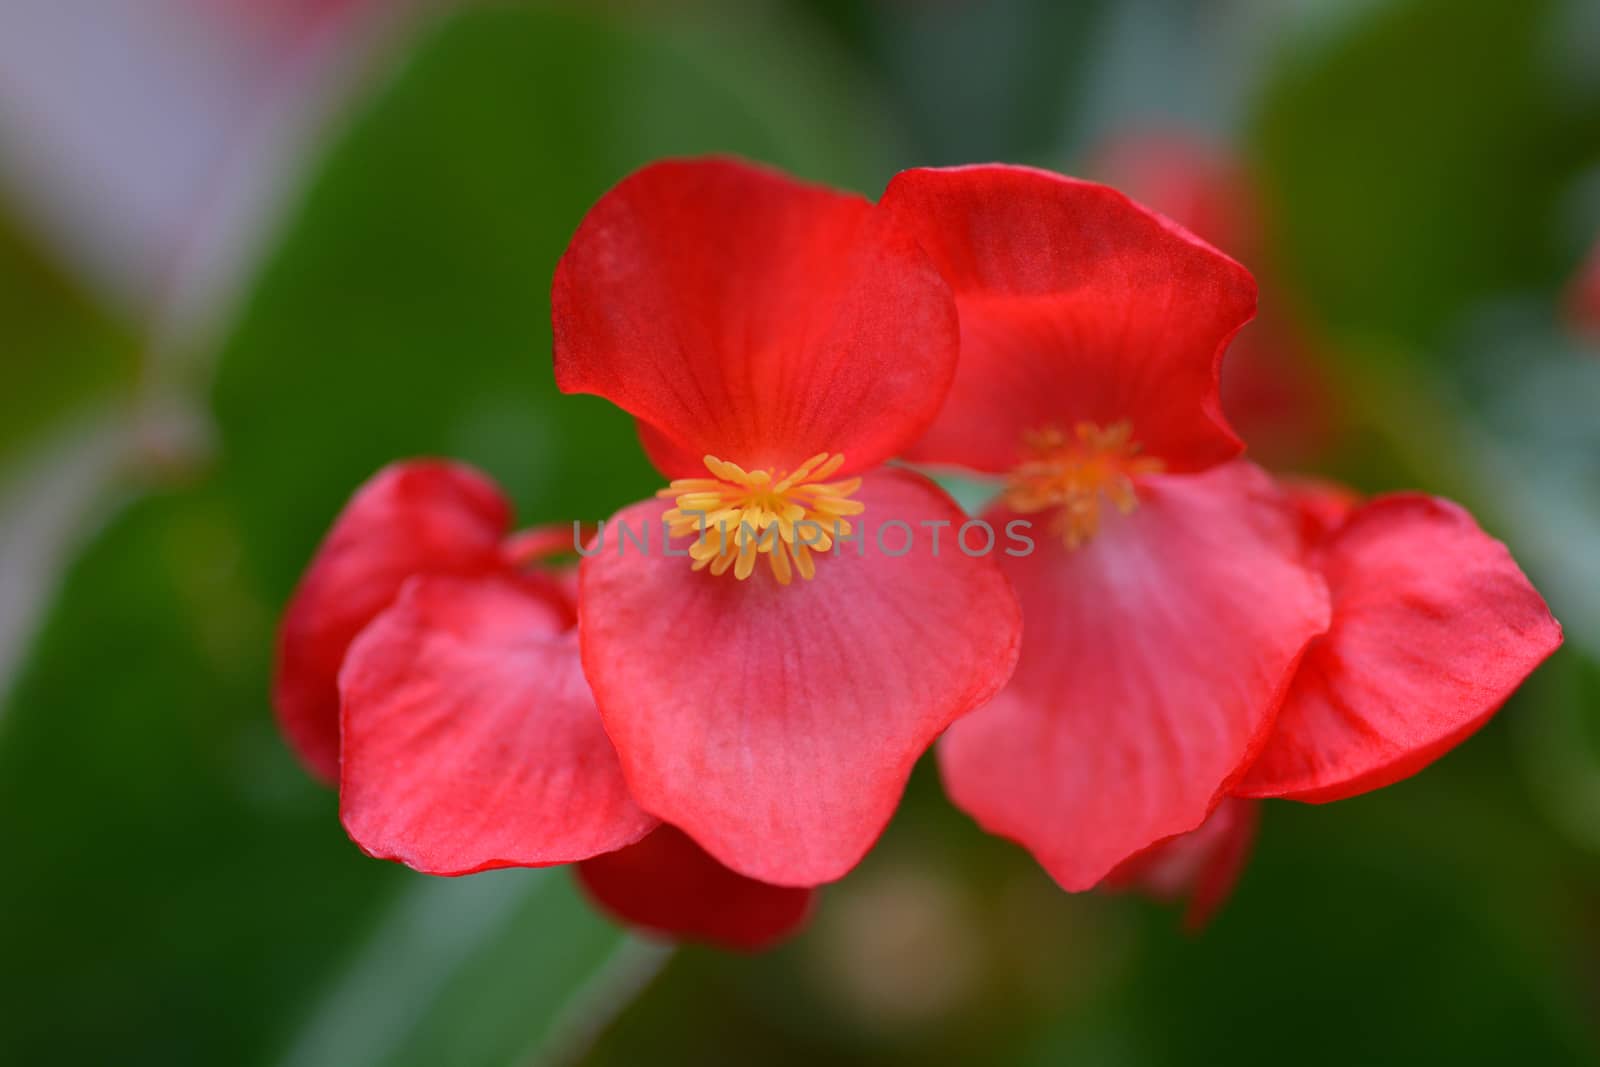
(741, 514)
(1069, 475)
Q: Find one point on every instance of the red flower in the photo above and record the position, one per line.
(1172, 595)
(776, 344)
(429, 667)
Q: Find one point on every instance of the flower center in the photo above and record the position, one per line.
(1072, 475)
(740, 515)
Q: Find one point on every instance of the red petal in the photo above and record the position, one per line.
(1153, 660)
(1433, 628)
(1323, 505)
(777, 726)
(1203, 865)
(423, 516)
(668, 884)
(1076, 305)
(747, 315)
(470, 738)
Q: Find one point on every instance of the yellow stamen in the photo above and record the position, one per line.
(739, 515)
(1070, 474)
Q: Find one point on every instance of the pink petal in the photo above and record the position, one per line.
(470, 738)
(1153, 661)
(777, 725)
(1434, 626)
(417, 517)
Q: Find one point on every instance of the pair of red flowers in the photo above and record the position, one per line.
(708, 734)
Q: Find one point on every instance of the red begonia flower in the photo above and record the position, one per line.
(421, 517)
(1272, 388)
(1433, 628)
(1167, 600)
(1202, 866)
(668, 884)
(1154, 656)
(470, 737)
(770, 695)
(1077, 307)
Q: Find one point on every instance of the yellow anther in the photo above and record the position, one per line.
(1070, 475)
(738, 515)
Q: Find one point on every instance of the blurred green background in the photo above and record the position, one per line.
(173, 890)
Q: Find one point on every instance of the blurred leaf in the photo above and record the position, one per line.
(841, 132)
(1428, 922)
(1414, 161)
(47, 496)
(67, 371)
(976, 83)
(59, 351)
(1560, 746)
(1170, 65)
(474, 971)
(162, 848)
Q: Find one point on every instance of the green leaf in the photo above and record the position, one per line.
(979, 83)
(61, 352)
(1559, 747)
(483, 970)
(1414, 161)
(1425, 922)
(164, 848)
